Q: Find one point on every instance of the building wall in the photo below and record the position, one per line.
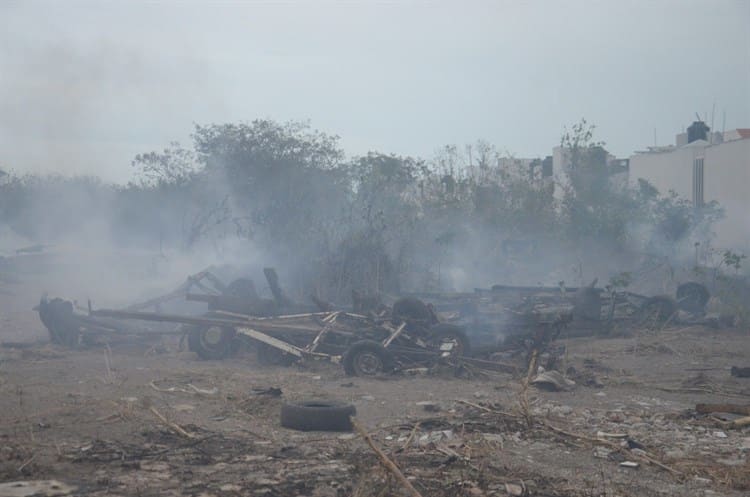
(727, 180)
(672, 170)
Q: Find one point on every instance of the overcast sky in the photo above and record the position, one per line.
(86, 86)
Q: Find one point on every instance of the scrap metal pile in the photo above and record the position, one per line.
(408, 334)
(499, 317)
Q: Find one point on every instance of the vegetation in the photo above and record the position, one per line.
(377, 222)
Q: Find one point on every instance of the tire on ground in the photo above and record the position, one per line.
(366, 358)
(444, 332)
(317, 415)
(211, 343)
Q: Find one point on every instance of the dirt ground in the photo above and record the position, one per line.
(89, 419)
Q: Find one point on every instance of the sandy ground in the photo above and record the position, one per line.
(86, 418)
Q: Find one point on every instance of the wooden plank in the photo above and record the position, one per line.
(269, 340)
(394, 335)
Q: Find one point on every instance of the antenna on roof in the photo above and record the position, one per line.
(713, 111)
(724, 122)
(698, 116)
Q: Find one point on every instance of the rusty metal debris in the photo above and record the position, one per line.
(409, 334)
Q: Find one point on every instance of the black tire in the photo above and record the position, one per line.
(657, 310)
(317, 415)
(412, 309)
(211, 343)
(692, 297)
(443, 332)
(366, 358)
(271, 356)
(58, 317)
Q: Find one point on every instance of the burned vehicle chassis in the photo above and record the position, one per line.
(363, 345)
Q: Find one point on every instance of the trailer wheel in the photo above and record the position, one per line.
(366, 358)
(317, 415)
(450, 333)
(211, 342)
(692, 297)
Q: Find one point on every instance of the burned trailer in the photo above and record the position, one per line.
(362, 345)
(494, 316)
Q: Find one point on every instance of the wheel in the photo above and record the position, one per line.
(366, 358)
(61, 323)
(411, 309)
(692, 297)
(211, 342)
(444, 333)
(657, 310)
(271, 356)
(317, 415)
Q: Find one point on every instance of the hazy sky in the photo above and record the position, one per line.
(86, 86)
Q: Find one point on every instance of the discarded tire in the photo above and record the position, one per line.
(57, 316)
(211, 343)
(450, 333)
(317, 415)
(412, 309)
(366, 358)
(692, 297)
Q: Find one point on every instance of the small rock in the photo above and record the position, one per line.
(602, 452)
(719, 434)
(435, 436)
(367, 397)
(493, 437)
(629, 464)
(230, 487)
(615, 417)
(480, 395)
(675, 454)
(513, 489)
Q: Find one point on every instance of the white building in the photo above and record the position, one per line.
(712, 167)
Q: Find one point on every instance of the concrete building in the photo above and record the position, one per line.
(704, 167)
